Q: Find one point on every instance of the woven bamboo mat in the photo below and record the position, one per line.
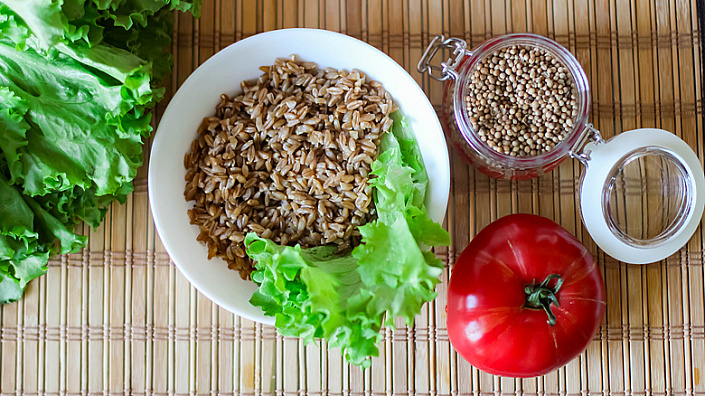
(118, 318)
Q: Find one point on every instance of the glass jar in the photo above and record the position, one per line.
(642, 192)
(455, 118)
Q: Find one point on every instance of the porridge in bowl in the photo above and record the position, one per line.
(288, 159)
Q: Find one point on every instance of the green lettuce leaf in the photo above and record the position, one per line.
(28, 236)
(12, 28)
(307, 312)
(84, 22)
(16, 218)
(43, 18)
(150, 42)
(20, 262)
(78, 135)
(75, 204)
(312, 293)
(77, 81)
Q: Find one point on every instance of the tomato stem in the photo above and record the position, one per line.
(541, 296)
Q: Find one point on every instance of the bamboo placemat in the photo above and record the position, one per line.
(118, 318)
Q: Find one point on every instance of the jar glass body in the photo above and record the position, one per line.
(465, 139)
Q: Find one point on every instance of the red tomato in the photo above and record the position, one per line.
(492, 320)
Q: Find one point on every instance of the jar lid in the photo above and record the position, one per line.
(642, 194)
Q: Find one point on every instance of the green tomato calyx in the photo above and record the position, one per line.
(541, 296)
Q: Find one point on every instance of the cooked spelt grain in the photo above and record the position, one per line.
(289, 159)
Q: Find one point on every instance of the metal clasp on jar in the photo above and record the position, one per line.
(589, 134)
(447, 68)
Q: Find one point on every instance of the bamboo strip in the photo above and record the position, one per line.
(134, 355)
(105, 317)
(96, 305)
(182, 368)
(30, 347)
(332, 17)
(376, 377)
(484, 208)
(355, 381)
(74, 307)
(227, 25)
(185, 63)
(396, 26)
(612, 376)
(684, 78)
(656, 347)
(249, 18)
(372, 19)
(696, 281)
(645, 76)
(224, 366)
(677, 304)
(41, 340)
(213, 353)
(501, 201)
(164, 362)
(371, 27)
(190, 317)
(568, 213)
(333, 364)
(268, 365)
(435, 24)
(246, 359)
(397, 364)
(20, 346)
(439, 22)
(633, 315)
(9, 350)
(416, 39)
(204, 337)
(584, 25)
(289, 350)
(224, 349)
(52, 298)
(309, 12)
(162, 290)
(421, 383)
(662, 59)
(459, 223)
(141, 297)
(354, 20)
(206, 31)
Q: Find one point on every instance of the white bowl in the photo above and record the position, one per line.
(222, 73)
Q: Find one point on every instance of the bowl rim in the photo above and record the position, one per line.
(193, 79)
